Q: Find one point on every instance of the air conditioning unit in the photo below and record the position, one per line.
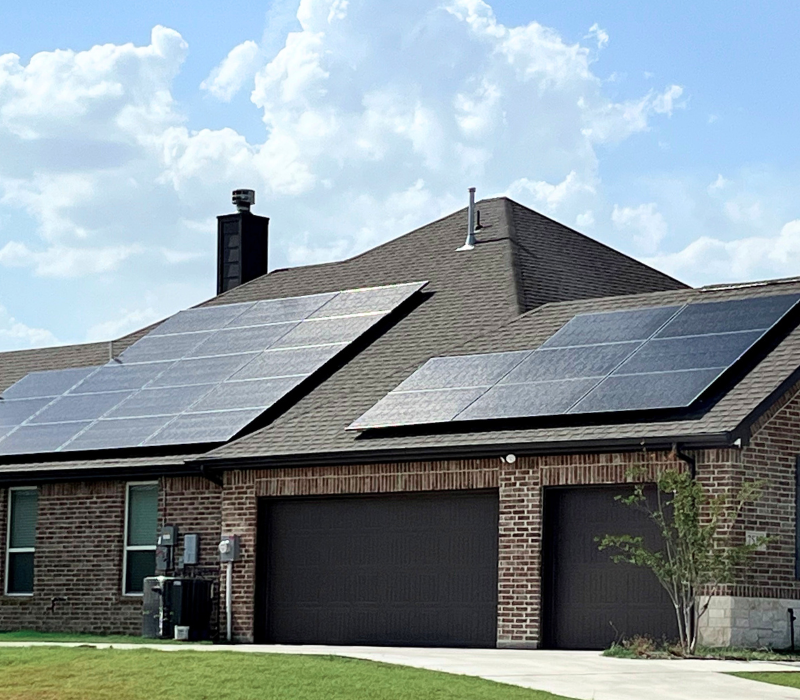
(168, 601)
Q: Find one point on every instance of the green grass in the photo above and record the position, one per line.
(791, 679)
(88, 673)
(30, 636)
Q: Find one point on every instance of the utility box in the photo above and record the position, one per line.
(169, 601)
(229, 548)
(191, 550)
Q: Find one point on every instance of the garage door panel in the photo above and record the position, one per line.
(416, 569)
(591, 601)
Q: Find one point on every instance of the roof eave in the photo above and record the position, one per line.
(414, 454)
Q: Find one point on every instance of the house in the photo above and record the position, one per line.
(371, 513)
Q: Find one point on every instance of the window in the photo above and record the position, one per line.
(23, 508)
(141, 525)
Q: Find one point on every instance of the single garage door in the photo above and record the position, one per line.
(411, 569)
(590, 601)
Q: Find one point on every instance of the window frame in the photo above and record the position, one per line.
(136, 547)
(17, 550)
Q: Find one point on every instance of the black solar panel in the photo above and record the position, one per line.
(570, 363)
(201, 376)
(633, 392)
(527, 400)
(641, 359)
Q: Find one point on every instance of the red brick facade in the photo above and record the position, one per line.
(79, 541)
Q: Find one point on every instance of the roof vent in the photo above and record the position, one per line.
(469, 244)
(243, 199)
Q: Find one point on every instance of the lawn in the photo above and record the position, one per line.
(30, 636)
(88, 673)
(790, 679)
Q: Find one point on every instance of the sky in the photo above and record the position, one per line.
(668, 132)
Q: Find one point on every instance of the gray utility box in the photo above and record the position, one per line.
(168, 601)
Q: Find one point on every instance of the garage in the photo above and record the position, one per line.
(400, 569)
(589, 601)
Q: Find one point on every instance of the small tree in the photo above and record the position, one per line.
(697, 552)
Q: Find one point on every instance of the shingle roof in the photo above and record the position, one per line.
(726, 420)
(522, 260)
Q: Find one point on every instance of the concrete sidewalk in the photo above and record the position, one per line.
(584, 675)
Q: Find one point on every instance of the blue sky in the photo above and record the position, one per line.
(123, 127)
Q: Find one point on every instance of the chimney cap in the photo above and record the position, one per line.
(243, 199)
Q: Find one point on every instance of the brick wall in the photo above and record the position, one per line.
(79, 551)
(770, 458)
(78, 557)
(521, 489)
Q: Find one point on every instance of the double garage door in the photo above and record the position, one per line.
(416, 569)
(421, 569)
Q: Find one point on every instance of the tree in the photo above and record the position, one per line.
(698, 550)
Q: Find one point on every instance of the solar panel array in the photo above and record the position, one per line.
(641, 359)
(199, 377)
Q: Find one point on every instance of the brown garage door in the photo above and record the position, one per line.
(590, 601)
(398, 570)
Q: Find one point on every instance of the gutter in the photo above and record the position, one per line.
(43, 475)
(421, 454)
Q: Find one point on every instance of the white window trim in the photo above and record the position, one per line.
(15, 550)
(136, 547)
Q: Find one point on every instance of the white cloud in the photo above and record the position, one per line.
(740, 259)
(599, 35)
(124, 322)
(374, 123)
(585, 220)
(237, 68)
(548, 197)
(15, 335)
(719, 184)
(63, 262)
(645, 222)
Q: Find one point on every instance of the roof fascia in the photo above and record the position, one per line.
(693, 442)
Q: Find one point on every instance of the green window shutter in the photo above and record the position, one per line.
(142, 515)
(24, 509)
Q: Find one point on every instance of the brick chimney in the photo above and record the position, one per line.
(242, 243)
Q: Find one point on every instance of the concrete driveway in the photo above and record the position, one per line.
(584, 675)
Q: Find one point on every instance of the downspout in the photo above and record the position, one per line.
(690, 461)
(206, 472)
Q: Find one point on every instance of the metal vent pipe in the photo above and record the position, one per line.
(469, 244)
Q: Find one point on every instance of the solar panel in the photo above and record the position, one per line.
(161, 401)
(49, 383)
(115, 433)
(646, 391)
(611, 327)
(216, 426)
(72, 407)
(15, 411)
(281, 310)
(449, 372)
(32, 439)
(417, 407)
(201, 376)
(570, 363)
(641, 359)
(527, 400)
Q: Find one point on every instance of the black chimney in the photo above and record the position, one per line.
(242, 240)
